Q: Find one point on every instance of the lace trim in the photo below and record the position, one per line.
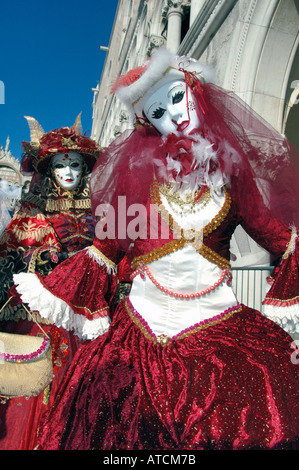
(163, 340)
(56, 310)
(292, 244)
(101, 259)
(286, 316)
(281, 302)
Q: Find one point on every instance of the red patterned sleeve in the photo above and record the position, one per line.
(29, 229)
(22, 244)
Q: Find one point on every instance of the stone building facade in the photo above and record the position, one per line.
(11, 180)
(252, 45)
(9, 166)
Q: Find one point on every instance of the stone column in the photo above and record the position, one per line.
(196, 6)
(174, 19)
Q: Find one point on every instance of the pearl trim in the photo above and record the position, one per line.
(144, 270)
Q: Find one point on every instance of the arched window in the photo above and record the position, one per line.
(292, 104)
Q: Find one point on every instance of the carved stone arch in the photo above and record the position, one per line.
(264, 46)
(15, 170)
(259, 67)
(291, 114)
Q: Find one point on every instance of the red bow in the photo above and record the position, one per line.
(179, 148)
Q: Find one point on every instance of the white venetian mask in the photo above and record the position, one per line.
(167, 109)
(67, 168)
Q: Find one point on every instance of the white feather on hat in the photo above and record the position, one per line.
(134, 88)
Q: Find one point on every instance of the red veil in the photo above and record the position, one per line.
(260, 165)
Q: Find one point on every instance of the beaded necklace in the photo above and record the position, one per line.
(144, 270)
(209, 228)
(180, 242)
(189, 204)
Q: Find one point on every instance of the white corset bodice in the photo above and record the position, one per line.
(184, 271)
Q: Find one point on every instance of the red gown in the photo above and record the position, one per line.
(31, 232)
(229, 382)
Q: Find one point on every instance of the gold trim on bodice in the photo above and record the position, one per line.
(163, 339)
(181, 241)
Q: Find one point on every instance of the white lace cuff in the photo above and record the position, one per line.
(56, 310)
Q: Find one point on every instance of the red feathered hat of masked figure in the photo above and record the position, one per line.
(43, 146)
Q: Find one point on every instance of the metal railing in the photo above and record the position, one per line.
(250, 284)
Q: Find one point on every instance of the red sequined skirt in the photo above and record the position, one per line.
(229, 384)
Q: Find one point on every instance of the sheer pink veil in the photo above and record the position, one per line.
(125, 170)
(256, 159)
(259, 165)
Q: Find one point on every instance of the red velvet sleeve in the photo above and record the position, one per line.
(77, 293)
(281, 303)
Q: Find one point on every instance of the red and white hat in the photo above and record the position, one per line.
(38, 152)
(134, 88)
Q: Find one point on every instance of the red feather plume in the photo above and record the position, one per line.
(128, 78)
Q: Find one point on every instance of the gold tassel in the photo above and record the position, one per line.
(46, 396)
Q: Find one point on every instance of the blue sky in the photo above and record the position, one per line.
(49, 62)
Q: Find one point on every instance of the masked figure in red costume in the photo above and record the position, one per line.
(53, 223)
(183, 365)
